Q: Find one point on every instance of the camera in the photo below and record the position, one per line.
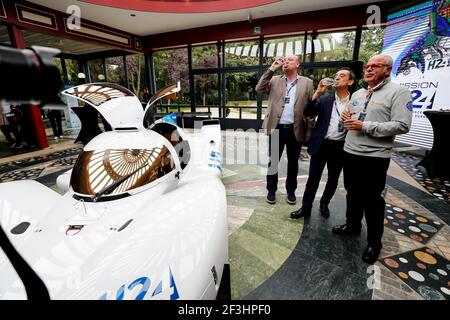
(29, 75)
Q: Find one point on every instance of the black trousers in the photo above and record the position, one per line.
(55, 121)
(330, 154)
(6, 132)
(13, 127)
(283, 136)
(364, 180)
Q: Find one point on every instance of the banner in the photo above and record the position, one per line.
(418, 39)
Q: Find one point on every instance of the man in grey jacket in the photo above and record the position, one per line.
(374, 116)
(284, 121)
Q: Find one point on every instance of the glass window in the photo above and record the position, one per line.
(115, 70)
(371, 43)
(119, 170)
(96, 71)
(172, 66)
(240, 95)
(317, 74)
(204, 57)
(264, 104)
(281, 47)
(239, 54)
(57, 62)
(207, 93)
(72, 71)
(136, 73)
(4, 35)
(336, 46)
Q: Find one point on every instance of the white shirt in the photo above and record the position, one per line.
(287, 117)
(338, 106)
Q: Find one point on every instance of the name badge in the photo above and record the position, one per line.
(286, 100)
(362, 116)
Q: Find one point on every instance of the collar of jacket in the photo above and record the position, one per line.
(286, 78)
(381, 84)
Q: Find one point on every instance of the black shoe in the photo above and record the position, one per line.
(271, 198)
(346, 230)
(301, 213)
(370, 255)
(324, 211)
(291, 199)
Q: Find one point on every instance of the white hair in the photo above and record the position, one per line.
(387, 60)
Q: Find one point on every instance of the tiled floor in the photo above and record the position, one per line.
(438, 187)
(262, 237)
(323, 266)
(274, 257)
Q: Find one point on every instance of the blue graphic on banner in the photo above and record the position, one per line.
(409, 105)
(418, 40)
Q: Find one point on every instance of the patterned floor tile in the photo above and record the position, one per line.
(424, 270)
(21, 175)
(410, 224)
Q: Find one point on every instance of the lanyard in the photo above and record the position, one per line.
(335, 105)
(366, 103)
(292, 85)
(371, 91)
(337, 110)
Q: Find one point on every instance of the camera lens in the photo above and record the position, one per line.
(28, 76)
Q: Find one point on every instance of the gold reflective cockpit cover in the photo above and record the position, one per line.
(98, 93)
(95, 170)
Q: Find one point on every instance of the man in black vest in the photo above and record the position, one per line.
(327, 141)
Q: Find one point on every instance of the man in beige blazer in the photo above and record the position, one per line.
(284, 122)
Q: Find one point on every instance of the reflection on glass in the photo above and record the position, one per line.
(207, 93)
(72, 71)
(95, 69)
(4, 35)
(96, 170)
(172, 66)
(204, 57)
(318, 74)
(97, 94)
(136, 73)
(337, 46)
(371, 43)
(115, 70)
(57, 62)
(241, 54)
(240, 95)
(281, 47)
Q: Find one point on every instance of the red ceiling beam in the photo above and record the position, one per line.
(315, 20)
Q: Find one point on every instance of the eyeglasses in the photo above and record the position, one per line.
(375, 66)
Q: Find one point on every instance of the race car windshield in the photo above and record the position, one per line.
(113, 171)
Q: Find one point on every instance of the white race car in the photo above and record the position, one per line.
(143, 214)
